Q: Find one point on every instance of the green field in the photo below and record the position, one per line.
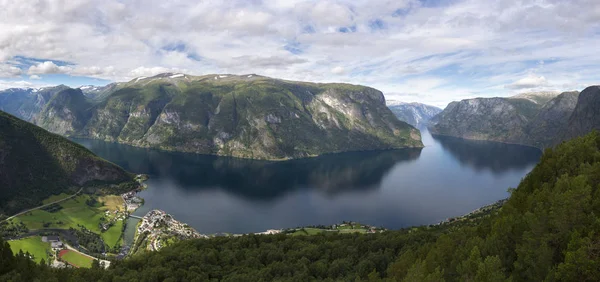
(112, 236)
(33, 245)
(76, 259)
(75, 212)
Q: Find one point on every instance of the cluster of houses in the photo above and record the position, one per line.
(132, 201)
(158, 224)
(113, 216)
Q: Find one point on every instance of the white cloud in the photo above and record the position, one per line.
(35, 76)
(445, 52)
(47, 67)
(338, 70)
(528, 82)
(9, 71)
(151, 71)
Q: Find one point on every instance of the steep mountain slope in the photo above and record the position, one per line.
(35, 164)
(496, 119)
(27, 103)
(415, 114)
(246, 116)
(548, 127)
(65, 113)
(98, 92)
(586, 115)
(530, 119)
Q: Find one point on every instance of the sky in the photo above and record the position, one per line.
(429, 51)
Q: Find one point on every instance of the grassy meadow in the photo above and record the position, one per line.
(33, 245)
(75, 212)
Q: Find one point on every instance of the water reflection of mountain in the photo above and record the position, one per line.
(354, 171)
(484, 155)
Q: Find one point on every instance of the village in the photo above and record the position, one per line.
(158, 229)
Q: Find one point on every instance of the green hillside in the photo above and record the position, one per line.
(35, 164)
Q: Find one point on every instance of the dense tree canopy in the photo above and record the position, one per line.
(547, 230)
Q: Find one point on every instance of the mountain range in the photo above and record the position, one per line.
(541, 120)
(415, 114)
(246, 116)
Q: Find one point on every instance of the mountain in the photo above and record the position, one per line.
(27, 103)
(35, 164)
(586, 115)
(98, 92)
(247, 116)
(546, 231)
(549, 125)
(536, 119)
(415, 114)
(65, 113)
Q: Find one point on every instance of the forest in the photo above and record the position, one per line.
(548, 230)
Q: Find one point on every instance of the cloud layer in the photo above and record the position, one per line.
(430, 51)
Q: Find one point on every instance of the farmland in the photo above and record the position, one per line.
(34, 245)
(83, 210)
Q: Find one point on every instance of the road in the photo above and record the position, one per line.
(43, 206)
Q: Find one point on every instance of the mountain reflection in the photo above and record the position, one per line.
(486, 155)
(331, 174)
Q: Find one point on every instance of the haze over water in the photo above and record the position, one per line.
(394, 189)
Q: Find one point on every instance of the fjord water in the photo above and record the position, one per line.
(394, 189)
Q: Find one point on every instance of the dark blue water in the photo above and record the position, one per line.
(394, 189)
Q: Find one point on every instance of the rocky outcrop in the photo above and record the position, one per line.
(415, 114)
(246, 116)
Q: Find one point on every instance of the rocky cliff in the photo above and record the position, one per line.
(65, 113)
(549, 125)
(415, 114)
(35, 164)
(496, 119)
(536, 119)
(246, 116)
(586, 115)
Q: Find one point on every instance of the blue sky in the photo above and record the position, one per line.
(429, 51)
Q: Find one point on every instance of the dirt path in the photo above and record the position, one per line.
(43, 206)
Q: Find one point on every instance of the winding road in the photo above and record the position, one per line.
(43, 206)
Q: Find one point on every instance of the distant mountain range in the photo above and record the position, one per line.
(35, 164)
(415, 114)
(247, 116)
(536, 119)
